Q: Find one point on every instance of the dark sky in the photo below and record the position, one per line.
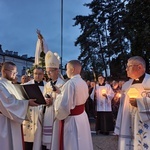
(19, 20)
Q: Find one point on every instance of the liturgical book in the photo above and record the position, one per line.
(30, 91)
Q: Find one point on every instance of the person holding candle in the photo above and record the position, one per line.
(103, 95)
(133, 120)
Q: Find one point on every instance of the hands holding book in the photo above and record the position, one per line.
(32, 102)
(27, 91)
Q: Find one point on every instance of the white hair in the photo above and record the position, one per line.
(138, 59)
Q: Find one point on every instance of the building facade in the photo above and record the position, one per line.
(22, 62)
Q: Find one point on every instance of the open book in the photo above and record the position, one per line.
(30, 91)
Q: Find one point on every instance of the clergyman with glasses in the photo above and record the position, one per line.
(13, 110)
(50, 125)
(133, 120)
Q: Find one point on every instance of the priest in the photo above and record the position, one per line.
(13, 110)
(133, 120)
(48, 128)
(30, 126)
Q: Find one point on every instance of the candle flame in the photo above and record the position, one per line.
(103, 91)
(119, 95)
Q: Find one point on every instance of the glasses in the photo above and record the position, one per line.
(51, 71)
(145, 94)
(130, 66)
(13, 72)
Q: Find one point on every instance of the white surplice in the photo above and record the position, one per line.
(103, 103)
(30, 126)
(48, 126)
(10, 127)
(133, 124)
(77, 134)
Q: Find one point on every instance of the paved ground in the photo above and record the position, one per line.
(103, 142)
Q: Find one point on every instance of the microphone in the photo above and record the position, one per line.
(44, 108)
(47, 96)
(52, 84)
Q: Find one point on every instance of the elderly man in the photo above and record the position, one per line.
(12, 110)
(133, 121)
(75, 127)
(50, 125)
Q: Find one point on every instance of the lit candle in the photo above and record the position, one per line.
(118, 95)
(103, 91)
(133, 93)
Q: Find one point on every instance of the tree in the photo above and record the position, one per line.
(137, 25)
(114, 30)
(102, 34)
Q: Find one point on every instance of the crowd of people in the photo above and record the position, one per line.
(118, 107)
(57, 125)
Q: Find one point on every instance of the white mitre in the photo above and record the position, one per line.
(52, 60)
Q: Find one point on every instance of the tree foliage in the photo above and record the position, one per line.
(111, 33)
